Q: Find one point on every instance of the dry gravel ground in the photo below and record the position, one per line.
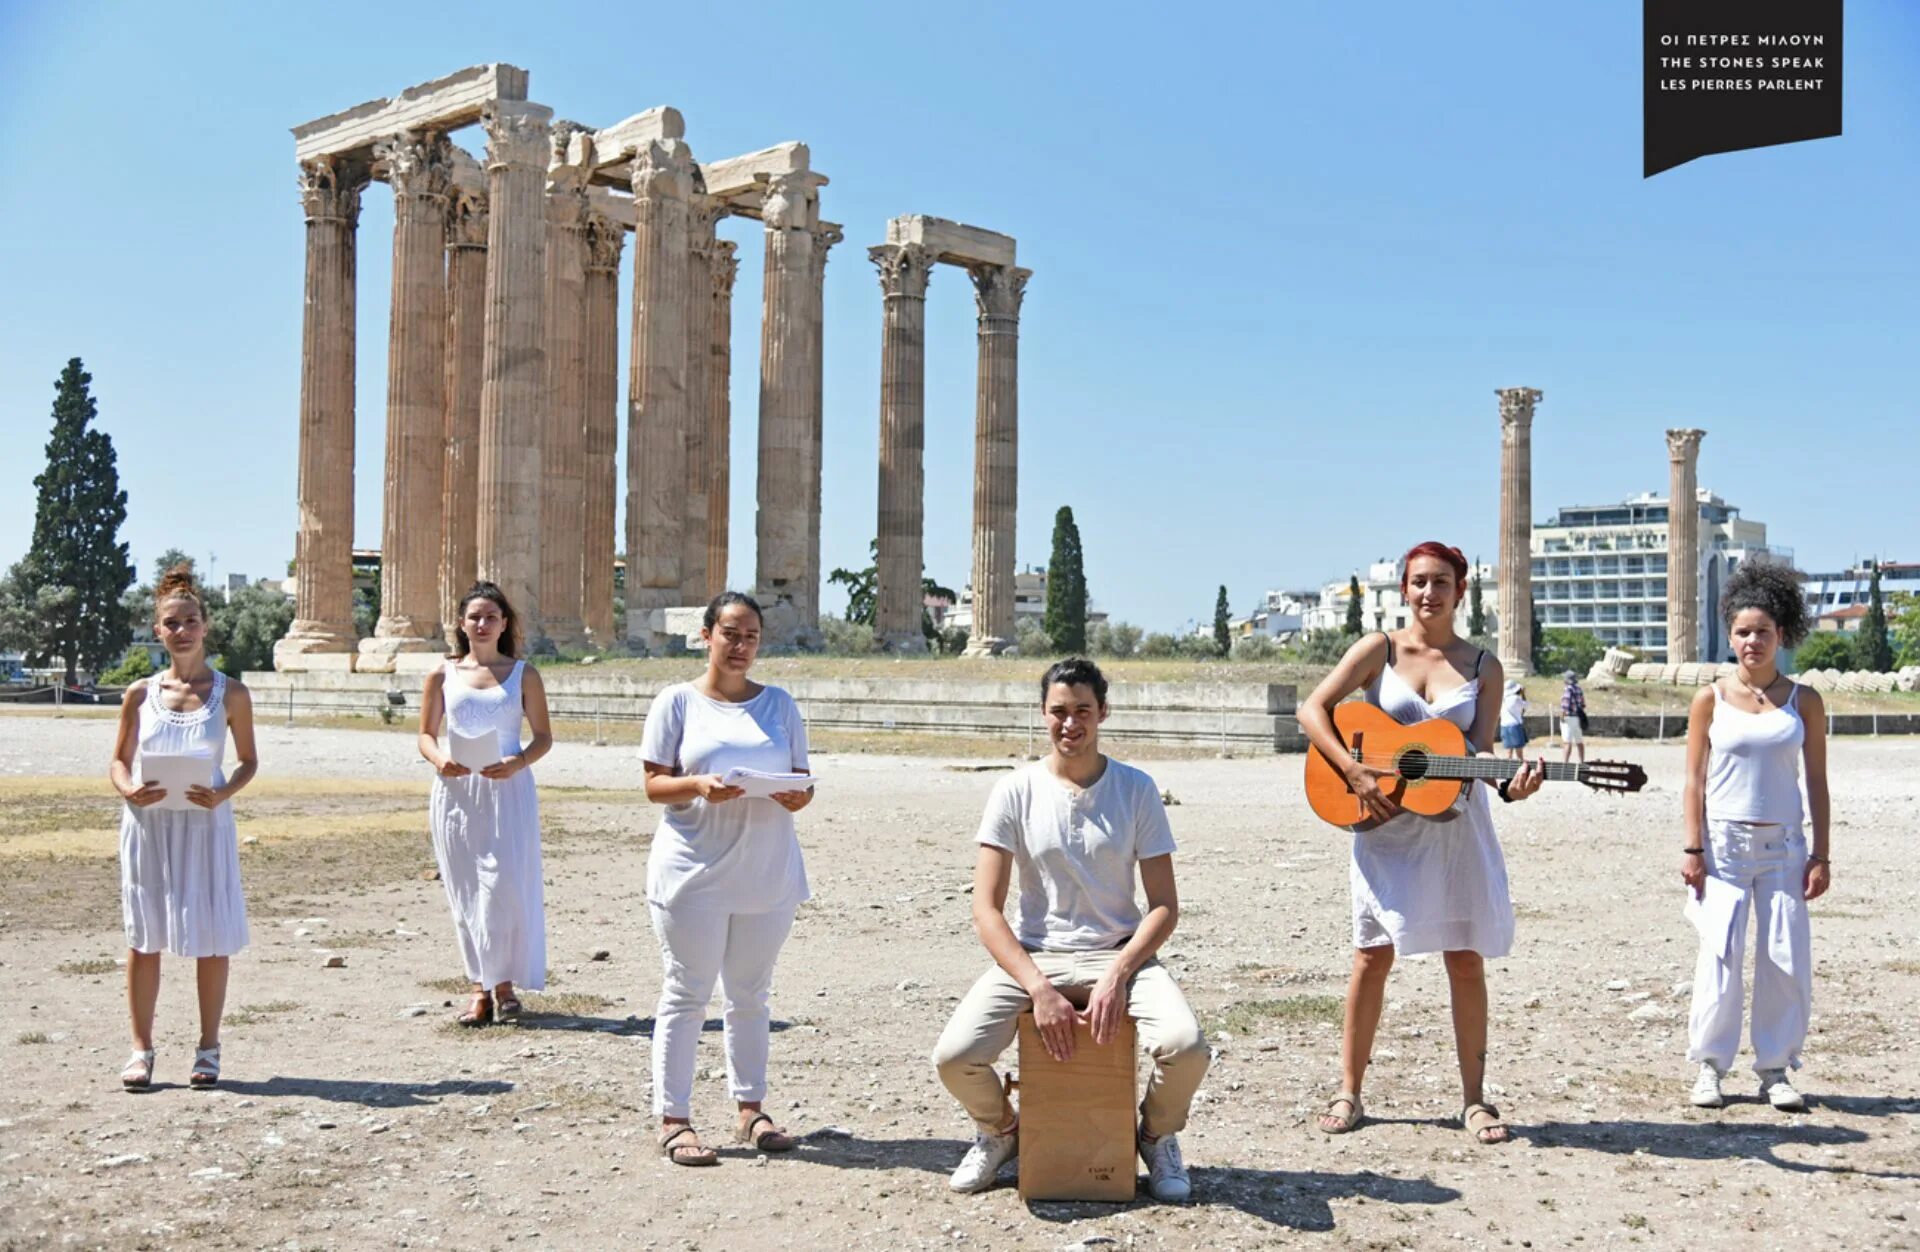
(354, 1116)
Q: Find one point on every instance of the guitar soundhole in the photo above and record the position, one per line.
(1412, 765)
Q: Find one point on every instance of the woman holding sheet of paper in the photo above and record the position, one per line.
(179, 855)
(725, 874)
(1746, 849)
(484, 812)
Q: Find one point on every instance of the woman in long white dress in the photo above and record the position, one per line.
(180, 866)
(486, 821)
(1422, 885)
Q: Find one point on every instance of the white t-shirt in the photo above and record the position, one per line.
(1513, 710)
(1077, 852)
(741, 855)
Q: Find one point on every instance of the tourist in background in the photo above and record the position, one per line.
(725, 874)
(486, 821)
(1747, 737)
(1513, 720)
(1422, 885)
(1573, 719)
(180, 866)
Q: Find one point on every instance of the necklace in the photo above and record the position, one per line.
(1758, 693)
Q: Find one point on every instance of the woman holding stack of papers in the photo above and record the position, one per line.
(484, 813)
(728, 758)
(1746, 846)
(179, 854)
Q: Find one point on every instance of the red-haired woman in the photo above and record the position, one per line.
(1422, 885)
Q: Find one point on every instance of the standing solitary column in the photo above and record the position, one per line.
(419, 167)
(512, 398)
(657, 386)
(998, 290)
(904, 271)
(786, 388)
(702, 215)
(323, 611)
(605, 238)
(466, 347)
(1683, 545)
(719, 416)
(563, 441)
(825, 235)
(1516, 529)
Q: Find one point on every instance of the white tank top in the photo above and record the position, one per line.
(1753, 762)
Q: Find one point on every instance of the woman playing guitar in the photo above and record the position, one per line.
(1420, 884)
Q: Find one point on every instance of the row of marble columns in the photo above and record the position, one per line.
(1515, 599)
(502, 393)
(905, 270)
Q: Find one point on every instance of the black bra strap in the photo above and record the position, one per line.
(1386, 635)
(1478, 661)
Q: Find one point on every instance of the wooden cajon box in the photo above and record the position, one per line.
(1077, 1119)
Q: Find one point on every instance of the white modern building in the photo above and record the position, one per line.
(1281, 616)
(1029, 603)
(1830, 595)
(1603, 569)
(1381, 606)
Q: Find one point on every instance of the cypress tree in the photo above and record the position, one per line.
(1222, 637)
(1355, 623)
(77, 569)
(1476, 609)
(1066, 614)
(1873, 647)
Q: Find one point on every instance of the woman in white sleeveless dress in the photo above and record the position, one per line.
(1423, 885)
(1747, 737)
(180, 866)
(486, 822)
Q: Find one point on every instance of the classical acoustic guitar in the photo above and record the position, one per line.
(1432, 767)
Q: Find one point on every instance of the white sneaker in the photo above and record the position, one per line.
(981, 1165)
(1780, 1092)
(1166, 1171)
(1706, 1088)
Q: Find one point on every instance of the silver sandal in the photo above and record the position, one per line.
(206, 1068)
(137, 1073)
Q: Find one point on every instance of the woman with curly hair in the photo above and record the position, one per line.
(1745, 845)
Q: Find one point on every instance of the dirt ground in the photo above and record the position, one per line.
(353, 1115)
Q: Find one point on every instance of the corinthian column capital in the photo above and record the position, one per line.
(663, 170)
(905, 269)
(998, 291)
(418, 165)
(825, 235)
(517, 134)
(726, 265)
(787, 204)
(1516, 405)
(605, 239)
(1683, 444)
(330, 189)
(467, 219)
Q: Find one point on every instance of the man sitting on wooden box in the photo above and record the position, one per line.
(1077, 823)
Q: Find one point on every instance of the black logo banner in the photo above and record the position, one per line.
(1723, 75)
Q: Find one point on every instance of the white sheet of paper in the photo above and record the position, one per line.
(476, 752)
(764, 785)
(1713, 916)
(176, 772)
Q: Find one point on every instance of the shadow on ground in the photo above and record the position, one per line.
(377, 1095)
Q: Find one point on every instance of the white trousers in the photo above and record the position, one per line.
(698, 946)
(1769, 864)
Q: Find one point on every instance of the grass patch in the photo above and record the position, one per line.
(464, 986)
(99, 965)
(1249, 1016)
(254, 1014)
(34, 1036)
(1904, 966)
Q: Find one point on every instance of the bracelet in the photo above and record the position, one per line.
(1818, 860)
(1693, 851)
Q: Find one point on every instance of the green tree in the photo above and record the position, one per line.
(1873, 647)
(1476, 608)
(137, 664)
(66, 593)
(1560, 649)
(1355, 623)
(1825, 649)
(167, 560)
(245, 626)
(1066, 616)
(860, 585)
(1222, 618)
(1905, 622)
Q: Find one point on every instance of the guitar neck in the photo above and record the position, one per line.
(1495, 769)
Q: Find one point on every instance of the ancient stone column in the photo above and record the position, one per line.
(725, 265)
(904, 271)
(466, 346)
(1683, 545)
(825, 235)
(419, 168)
(702, 215)
(563, 454)
(323, 608)
(785, 491)
(998, 291)
(657, 416)
(513, 403)
(605, 238)
(1516, 529)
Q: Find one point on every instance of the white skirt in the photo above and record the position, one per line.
(486, 839)
(1433, 886)
(180, 881)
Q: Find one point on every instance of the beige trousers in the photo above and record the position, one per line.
(988, 1018)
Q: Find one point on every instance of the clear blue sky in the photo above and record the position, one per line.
(1283, 254)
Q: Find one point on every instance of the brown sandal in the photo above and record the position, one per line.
(1490, 1123)
(772, 1139)
(1332, 1123)
(695, 1153)
(480, 1012)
